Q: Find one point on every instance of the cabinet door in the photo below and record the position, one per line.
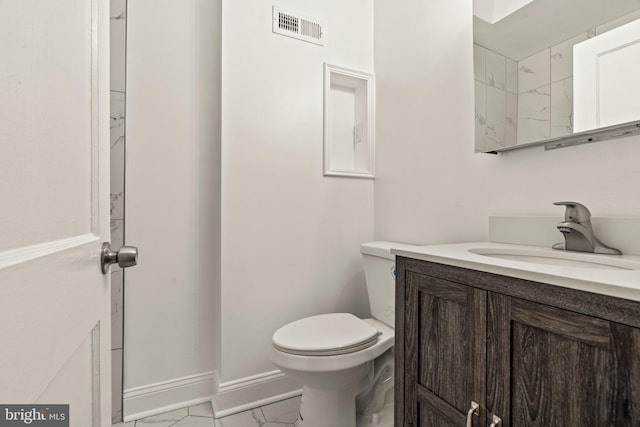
(552, 367)
(444, 351)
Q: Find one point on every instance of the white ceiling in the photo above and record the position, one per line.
(494, 10)
(544, 23)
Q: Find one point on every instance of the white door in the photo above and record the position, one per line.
(605, 80)
(54, 175)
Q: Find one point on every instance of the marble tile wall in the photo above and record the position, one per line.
(545, 93)
(117, 129)
(496, 88)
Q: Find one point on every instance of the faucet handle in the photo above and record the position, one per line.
(575, 212)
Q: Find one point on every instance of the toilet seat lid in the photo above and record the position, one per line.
(325, 335)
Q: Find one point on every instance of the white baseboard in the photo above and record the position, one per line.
(153, 399)
(250, 392)
(227, 398)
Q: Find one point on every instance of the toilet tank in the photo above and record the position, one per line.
(380, 274)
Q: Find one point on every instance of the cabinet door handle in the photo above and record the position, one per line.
(496, 421)
(473, 410)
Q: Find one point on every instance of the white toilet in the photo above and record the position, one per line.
(332, 355)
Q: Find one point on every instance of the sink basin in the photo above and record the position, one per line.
(613, 275)
(559, 258)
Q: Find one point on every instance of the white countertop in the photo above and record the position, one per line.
(622, 283)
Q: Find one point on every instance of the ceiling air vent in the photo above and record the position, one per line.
(297, 26)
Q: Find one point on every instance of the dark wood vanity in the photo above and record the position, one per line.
(531, 354)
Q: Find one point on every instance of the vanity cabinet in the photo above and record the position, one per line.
(530, 353)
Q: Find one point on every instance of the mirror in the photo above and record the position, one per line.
(524, 72)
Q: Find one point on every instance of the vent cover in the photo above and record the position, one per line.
(297, 26)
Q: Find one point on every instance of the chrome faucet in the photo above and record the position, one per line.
(578, 232)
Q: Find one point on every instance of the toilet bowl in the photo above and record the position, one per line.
(330, 381)
(333, 354)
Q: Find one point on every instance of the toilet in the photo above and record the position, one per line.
(333, 354)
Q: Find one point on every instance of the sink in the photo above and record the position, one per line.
(559, 258)
(612, 275)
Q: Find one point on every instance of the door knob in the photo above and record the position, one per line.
(127, 256)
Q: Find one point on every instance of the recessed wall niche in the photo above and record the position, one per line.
(348, 123)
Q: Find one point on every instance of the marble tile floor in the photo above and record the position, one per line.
(279, 414)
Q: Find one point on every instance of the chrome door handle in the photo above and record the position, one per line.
(473, 410)
(127, 256)
(495, 422)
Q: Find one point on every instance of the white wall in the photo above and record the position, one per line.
(290, 237)
(172, 201)
(431, 188)
(290, 245)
